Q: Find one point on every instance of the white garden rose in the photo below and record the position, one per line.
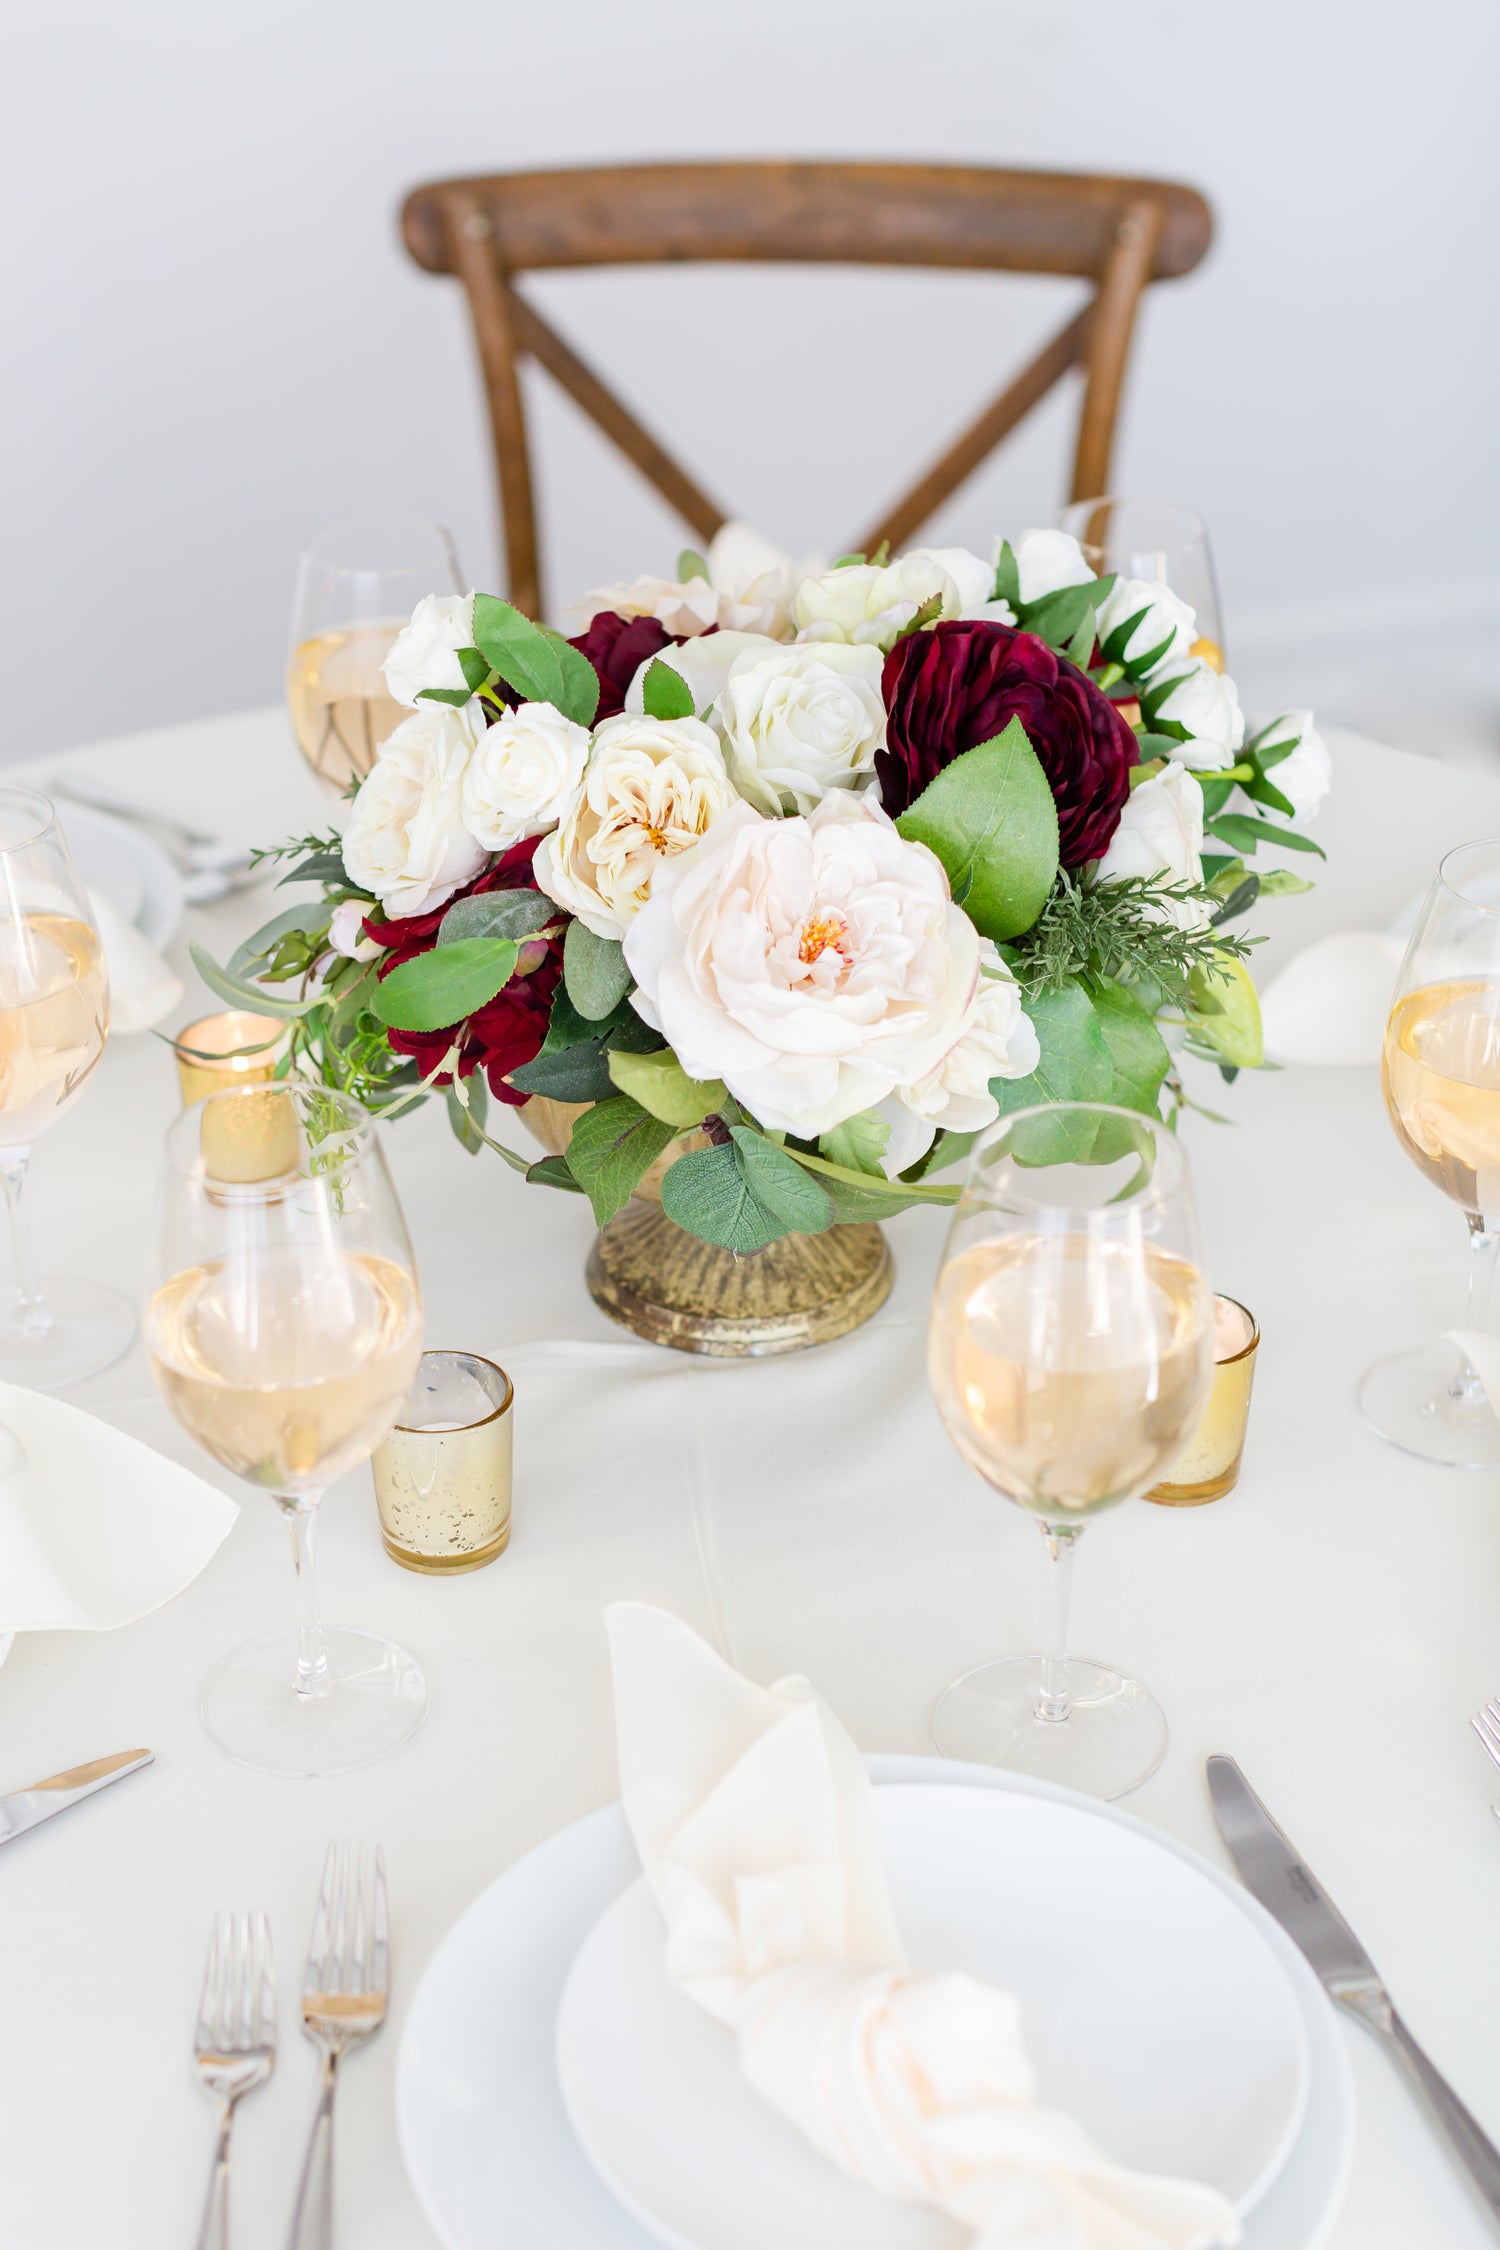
(651, 789)
(1305, 777)
(1207, 703)
(424, 652)
(998, 1040)
(813, 964)
(801, 721)
(1161, 834)
(406, 840)
(1046, 561)
(748, 590)
(523, 776)
(1167, 620)
(835, 606)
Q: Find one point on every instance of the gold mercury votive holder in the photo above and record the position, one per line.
(233, 1049)
(443, 1476)
(1209, 1465)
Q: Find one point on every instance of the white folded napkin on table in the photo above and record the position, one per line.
(142, 989)
(754, 1818)
(95, 1528)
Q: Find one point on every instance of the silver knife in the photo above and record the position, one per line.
(28, 1807)
(1287, 1887)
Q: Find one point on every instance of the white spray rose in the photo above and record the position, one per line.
(1305, 777)
(1168, 619)
(523, 776)
(801, 721)
(346, 932)
(1207, 703)
(1046, 561)
(1161, 834)
(424, 652)
(406, 840)
(835, 606)
(998, 1040)
(651, 789)
(813, 964)
(748, 590)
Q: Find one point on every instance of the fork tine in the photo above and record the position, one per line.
(1488, 1733)
(379, 1977)
(206, 2033)
(265, 1984)
(315, 1976)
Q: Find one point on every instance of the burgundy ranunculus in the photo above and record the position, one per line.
(617, 647)
(961, 684)
(508, 1031)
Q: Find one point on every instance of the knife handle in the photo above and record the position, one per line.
(1475, 2151)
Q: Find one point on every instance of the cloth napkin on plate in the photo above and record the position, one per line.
(142, 989)
(95, 1528)
(754, 1819)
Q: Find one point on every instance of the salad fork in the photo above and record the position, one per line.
(235, 2042)
(344, 1991)
(1486, 1724)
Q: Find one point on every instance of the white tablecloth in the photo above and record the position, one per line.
(1332, 1624)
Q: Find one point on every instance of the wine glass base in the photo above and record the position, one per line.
(90, 1328)
(1113, 1738)
(1409, 1400)
(375, 1700)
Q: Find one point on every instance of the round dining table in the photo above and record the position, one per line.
(1331, 1624)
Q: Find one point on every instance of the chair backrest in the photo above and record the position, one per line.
(1117, 233)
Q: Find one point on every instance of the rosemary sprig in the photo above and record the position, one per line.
(1123, 930)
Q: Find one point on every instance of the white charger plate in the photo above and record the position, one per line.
(1153, 2010)
(127, 867)
(487, 2145)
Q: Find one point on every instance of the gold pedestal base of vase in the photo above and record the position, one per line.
(670, 1288)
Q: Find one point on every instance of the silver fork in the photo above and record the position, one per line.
(344, 1989)
(235, 2042)
(1486, 1724)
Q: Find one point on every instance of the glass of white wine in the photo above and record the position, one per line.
(54, 1020)
(284, 1324)
(1161, 542)
(1070, 1352)
(357, 585)
(1441, 1075)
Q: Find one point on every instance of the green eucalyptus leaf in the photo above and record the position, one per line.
(781, 1184)
(241, 992)
(594, 969)
(466, 1114)
(706, 1193)
(613, 1146)
(445, 985)
(496, 914)
(991, 819)
(318, 867)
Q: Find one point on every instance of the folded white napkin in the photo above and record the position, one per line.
(142, 989)
(754, 1818)
(1330, 1003)
(95, 1528)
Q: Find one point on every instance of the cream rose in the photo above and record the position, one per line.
(523, 776)
(998, 1040)
(747, 590)
(801, 721)
(406, 840)
(1305, 777)
(813, 964)
(960, 581)
(424, 653)
(835, 606)
(1167, 623)
(1161, 834)
(651, 789)
(1046, 561)
(1207, 703)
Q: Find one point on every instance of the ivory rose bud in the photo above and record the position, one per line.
(836, 605)
(1161, 834)
(523, 775)
(998, 1040)
(1305, 777)
(1207, 703)
(406, 840)
(801, 721)
(813, 964)
(1167, 619)
(424, 653)
(959, 580)
(346, 932)
(651, 789)
(1046, 561)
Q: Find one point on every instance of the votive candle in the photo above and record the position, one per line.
(1209, 1465)
(233, 1049)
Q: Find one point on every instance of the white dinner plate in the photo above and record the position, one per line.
(127, 867)
(487, 2145)
(1153, 2010)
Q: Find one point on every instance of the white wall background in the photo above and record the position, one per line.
(216, 341)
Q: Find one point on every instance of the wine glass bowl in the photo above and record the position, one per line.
(1158, 541)
(284, 1327)
(1070, 1353)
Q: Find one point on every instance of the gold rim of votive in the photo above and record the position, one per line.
(1254, 1338)
(420, 1429)
(225, 1058)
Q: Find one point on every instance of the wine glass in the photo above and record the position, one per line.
(54, 1019)
(1070, 1353)
(1158, 541)
(1440, 1071)
(284, 1324)
(357, 584)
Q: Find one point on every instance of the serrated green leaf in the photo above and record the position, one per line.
(858, 1144)
(781, 1184)
(552, 1171)
(1058, 615)
(454, 697)
(240, 992)
(690, 565)
(540, 665)
(496, 914)
(594, 970)
(707, 1194)
(927, 614)
(474, 668)
(665, 694)
(1007, 586)
(613, 1145)
(1244, 832)
(660, 1084)
(1137, 1052)
(446, 985)
(991, 819)
(1075, 1064)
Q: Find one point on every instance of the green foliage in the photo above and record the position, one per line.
(445, 985)
(286, 946)
(240, 992)
(991, 819)
(539, 664)
(1243, 831)
(1101, 932)
(613, 1145)
(858, 1144)
(690, 565)
(1224, 1012)
(573, 1063)
(1076, 1064)
(1137, 1051)
(744, 1193)
(865, 1195)
(659, 1083)
(496, 914)
(594, 972)
(780, 1184)
(552, 1171)
(665, 693)
(467, 1109)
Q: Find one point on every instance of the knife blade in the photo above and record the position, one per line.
(1275, 1871)
(27, 1808)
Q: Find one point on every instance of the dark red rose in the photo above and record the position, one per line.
(961, 684)
(617, 647)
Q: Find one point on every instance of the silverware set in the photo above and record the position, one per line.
(344, 1991)
(210, 866)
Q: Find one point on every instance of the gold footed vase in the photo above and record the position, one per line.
(671, 1288)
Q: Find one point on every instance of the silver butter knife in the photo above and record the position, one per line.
(27, 1808)
(1287, 1887)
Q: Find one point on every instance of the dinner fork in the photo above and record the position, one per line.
(235, 2043)
(1486, 1724)
(344, 1990)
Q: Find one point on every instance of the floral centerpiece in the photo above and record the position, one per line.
(795, 879)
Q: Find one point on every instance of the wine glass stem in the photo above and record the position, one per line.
(313, 1677)
(1052, 1702)
(32, 1316)
(1482, 1246)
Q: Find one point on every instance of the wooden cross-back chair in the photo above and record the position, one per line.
(1120, 234)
